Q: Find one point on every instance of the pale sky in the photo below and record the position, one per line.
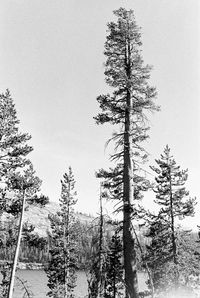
(51, 59)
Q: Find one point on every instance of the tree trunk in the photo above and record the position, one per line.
(66, 252)
(131, 281)
(114, 283)
(101, 279)
(13, 271)
(128, 241)
(172, 225)
(174, 248)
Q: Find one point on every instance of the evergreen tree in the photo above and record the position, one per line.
(13, 147)
(114, 270)
(168, 249)
(160, 261)
(126, 73)
(61, 271)
(16, 176)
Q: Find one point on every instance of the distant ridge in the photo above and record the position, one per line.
(38, 216)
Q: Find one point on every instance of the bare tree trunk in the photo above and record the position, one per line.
(100, 286)
(65, 274)
(13, 271)
(114, 287)
(174, 248)
(128, 241)
(172, 224)
(66, 247)
(131, 281)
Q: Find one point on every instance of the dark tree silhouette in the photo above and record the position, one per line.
(132, 97)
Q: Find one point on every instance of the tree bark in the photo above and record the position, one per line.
(101, 279)
(13, 271)
(174, 248)
(131, 281)
(66, 248)
(128, 240)
(66, 234)
(172, 222)
(114, 281)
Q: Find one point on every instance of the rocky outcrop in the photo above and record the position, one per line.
(38, 217)
(30, 266)
(21, 265)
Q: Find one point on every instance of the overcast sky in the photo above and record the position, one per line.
(51, 59)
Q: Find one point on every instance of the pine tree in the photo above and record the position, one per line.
(114, 284)
(160, 261)
(126, 73)
(16, 175)
(171, 193)
(164, 253)
(13, 144)
(13, 152)
(61, 271)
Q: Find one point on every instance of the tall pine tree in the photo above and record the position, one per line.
(126, 73)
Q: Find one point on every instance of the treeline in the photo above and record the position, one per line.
(36, 249)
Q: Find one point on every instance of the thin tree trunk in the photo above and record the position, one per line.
(130, 269)
(172, 224)
(66, 246)
(114, 281)
(100, 286)
(174, 248)
(64, 250)
(128, 241)
(13, 271)
(28, 293)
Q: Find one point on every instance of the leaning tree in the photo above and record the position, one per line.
(126, 108)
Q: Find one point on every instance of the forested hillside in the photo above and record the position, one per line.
(36, 241)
